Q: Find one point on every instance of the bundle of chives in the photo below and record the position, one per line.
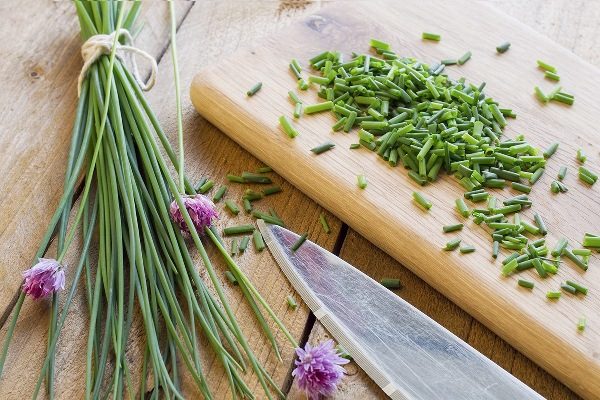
(128, 197)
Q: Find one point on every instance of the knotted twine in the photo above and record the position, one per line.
(101, 44)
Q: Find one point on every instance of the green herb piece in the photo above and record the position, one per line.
(231, 278)
(231, 206)
(465, 249)
(449, 61)
(452, 228)
(302, 84)
(510, 267)
(452, 244)
(244, 243)
(323, 148)
(581, 322)
(379, 45)
(319, 107)
(536, 175)
(560, 246)
(552, 76)
(562, 172)
(464, 58)
(264, 170)
(568, 288)
(587, 176)
(247, 205)
(503, 47)
(324, 223)
(540, 95)
(540, 223)
(234, 247)
(525, 284)
(271, 190)
(391, 283)
(521, 187)
(552, 295)
(563, 98)
(219, 194)
(421, 200)
(581, 289)
(238, 230)
(294, 97)
(299, 242)
(575, 259)
(462, 208)
(235, 178)
(495, 249)
(545, 66)
(254, 89)
(537, 264)
(431, 36)
(551, 150)
(251, 177)
(270, 219)
(259, 243)
(590, 240)
(581, 157)
(361, 181)
(287, 127)
(354, 146)
(291, 302)
(582, 252)
(297, 110)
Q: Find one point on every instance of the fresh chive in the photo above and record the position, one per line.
(251, 177)
(465, 249)
(551, 150)
(540, 224)
(247, 205)
(449, 61)
(235, 178)
(421, 200)
(287, 127)
(452, 244)
(587, 176)
(563, 98)
(291, 302)
(294, 97)
(568, 288)
(264, 170)
(536, 175)
(582, 252)
(540, 95)
(552, 76)
(560, 246)
(234, 246)
(452, 228)
(324, 223)
(462, 208)
(354, 146)
(464, 58)
(495, 249)
(231, 206)
(231, 278)
(591, 241)
(206, 186)
(525, 284)
(581, 289)
(510, 267)
(361, 181)
(431, 36)
(545, 66)
(299, 242)
(238, 230)
(297, 110)
(254, 89)
(575, 259)
(259, 243)
(553, 295)
(391, 283)
(581, 322)
(521, 187)
(244, 243)
(302, 84)
(219, 194)
(378, 44)
(319, 107)
(323, 148)
(503, 47)
(270, 219)
(271, 190)
(581, 157)
(562, 172)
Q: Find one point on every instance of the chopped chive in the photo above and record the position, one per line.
(587, 176)
(537, 264)
(553, 295)
(324, 223)
(536, 175)
(378, 44)
(431, 36)
(270, 219)
(294, 97)
(452, 244)
(560, 246)
(340, 124)
(297, 110)
(503, 47)
(254, 89)
(271, 190)
(421, 200)
(323, 148)
(495, 249)
(264, 170)
(206, 186)
(510, 267)
(540, 95)
(361, 181)
(231, 278)
(563, 98)
(581, 157)
(354, 146)
(462, 208)
(581, 289)
(296, 65)
(552, 76)
(251, 177)
(581, 324)
(302, 84)
(391, 283)
(287, 127)
(315, 108)
(235, 178)
(452, 228)
(219, 194)
(545, 66)
(540, 224)
(238, 230)
(244, 243)
(591, 241)
(200, 183)
(291, 302)
(551, 150)
(465, 249)
(575, 259)
(525, 284)
(234, 247)
(464, 58)
(259, 243)
(521, 187)
(562, 172)
(298, 243)
(231, 206)
(582, 252)
(247, 205)
(568, 288)
(449, 61)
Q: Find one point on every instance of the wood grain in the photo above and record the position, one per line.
(526, 321)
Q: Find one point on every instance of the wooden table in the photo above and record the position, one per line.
(41, 61)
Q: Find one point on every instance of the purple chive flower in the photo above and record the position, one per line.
(45, 277)
(319, 369)
(201, 209)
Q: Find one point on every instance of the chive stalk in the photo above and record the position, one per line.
(299, 242)
(391, 283)
(254, 89)
(421, 200)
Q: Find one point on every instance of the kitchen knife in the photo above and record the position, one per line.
(406, 353)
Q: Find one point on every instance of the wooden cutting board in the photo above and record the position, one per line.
(384, 212)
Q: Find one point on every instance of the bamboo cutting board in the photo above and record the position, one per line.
(384, 212)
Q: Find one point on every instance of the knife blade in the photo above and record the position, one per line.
(406, 353)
